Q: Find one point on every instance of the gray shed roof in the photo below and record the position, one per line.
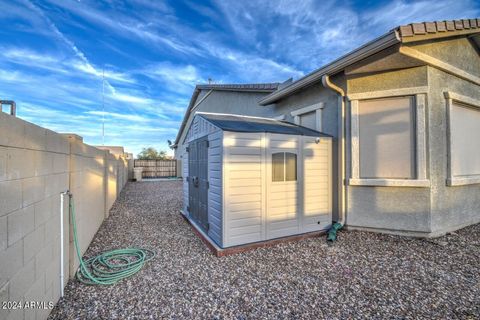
(238, 123)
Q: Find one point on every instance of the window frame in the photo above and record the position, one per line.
(284, 153)
(317, 108)
(420, 165)
(450, 98)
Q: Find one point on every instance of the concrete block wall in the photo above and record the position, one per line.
(36, 165)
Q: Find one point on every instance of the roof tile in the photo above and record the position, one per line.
(406, 31)
(441, 27)
(450, 25)
(466, 23)
(458, 24)
(473, 23)
(419, 28)
(430, 27)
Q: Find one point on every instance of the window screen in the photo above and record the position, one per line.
(387, 138)
(290, 166)
(278, 169)
(284, 166)
(465, 137)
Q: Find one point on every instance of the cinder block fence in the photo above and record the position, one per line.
(36, 165)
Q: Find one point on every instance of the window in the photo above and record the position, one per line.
(284, 166)
(463, 139)
(310, 117)
(387, 143)
(388, 138)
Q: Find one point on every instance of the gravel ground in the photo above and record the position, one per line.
(363, 275)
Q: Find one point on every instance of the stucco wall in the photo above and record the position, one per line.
(244, 103)
(388, 208)
(36, 165)
(452, 206)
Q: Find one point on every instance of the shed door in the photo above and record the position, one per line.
(198, 181)
(282, 217)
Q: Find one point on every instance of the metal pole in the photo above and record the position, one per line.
(62, 277)
(103, 106)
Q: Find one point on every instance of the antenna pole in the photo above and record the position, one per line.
(103, 106)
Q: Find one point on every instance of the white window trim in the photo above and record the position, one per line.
(451, 179)
(318, 107)
(420, 138)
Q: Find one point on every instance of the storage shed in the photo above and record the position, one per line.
(252, 179)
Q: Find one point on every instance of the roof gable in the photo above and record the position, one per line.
(413, 32)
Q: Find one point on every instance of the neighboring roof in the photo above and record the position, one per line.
(246, 87)
(407, 33)
(239, 123)
(262, 87)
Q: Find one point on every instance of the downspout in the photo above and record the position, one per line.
(342, 188)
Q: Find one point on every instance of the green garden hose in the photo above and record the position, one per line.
(110, 266)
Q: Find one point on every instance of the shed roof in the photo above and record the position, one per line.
(238, 123)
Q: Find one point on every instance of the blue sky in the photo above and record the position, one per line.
(154, 52)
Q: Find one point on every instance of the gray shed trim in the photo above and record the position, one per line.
(238, 123)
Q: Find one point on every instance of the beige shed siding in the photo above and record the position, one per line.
(317, 184)
(255, 207)
(215, 191)
(282, 218)
(243, 179)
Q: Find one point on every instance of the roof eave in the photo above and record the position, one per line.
(372, 47)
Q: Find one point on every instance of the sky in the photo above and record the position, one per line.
(69, 64)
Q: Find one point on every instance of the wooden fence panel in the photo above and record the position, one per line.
(157, 168)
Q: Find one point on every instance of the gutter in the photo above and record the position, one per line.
(372, 47)
(342, 188)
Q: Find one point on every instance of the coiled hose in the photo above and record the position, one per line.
(110, 266)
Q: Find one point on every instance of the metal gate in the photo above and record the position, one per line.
(198, 181)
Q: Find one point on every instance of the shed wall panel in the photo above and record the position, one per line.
(215, 191)
(243, 187)
(317, 184)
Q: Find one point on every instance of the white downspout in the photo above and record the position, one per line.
(62, 195)
(342, 188)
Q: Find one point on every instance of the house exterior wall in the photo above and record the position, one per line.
(433, 206)
(452, 206)
(404, 209)
(231, 102)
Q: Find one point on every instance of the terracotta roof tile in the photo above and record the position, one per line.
(431, 27)
(419, 28)
(441, 27)
(422, 28)
(458, 24)
(406, 31)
